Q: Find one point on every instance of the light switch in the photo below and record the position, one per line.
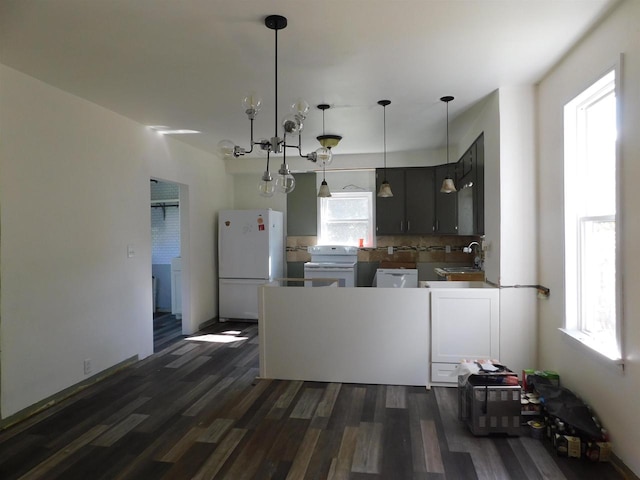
(130, 251)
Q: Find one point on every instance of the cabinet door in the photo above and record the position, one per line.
(390, 212)
(466, 185)
(479, 185)
(302, 206)
(465, 324)
(446, 203)
(420, 208)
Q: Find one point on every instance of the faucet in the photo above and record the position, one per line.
(468, 248)
(477, 260)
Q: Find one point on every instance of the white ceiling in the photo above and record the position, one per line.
(188, 63)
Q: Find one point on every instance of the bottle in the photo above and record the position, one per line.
(593, 452)
(562, 446)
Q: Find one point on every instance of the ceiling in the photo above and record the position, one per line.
(188, 63)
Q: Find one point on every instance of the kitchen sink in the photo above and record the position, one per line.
(457, 284)
(461, 269)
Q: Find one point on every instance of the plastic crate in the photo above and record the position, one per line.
(488, 407)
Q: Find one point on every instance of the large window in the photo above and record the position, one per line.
(345, 218)
(590, 165)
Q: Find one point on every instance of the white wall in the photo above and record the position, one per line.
(518, 306)
(74, 194)
(613, 395)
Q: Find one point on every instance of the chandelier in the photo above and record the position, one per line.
(292, 125)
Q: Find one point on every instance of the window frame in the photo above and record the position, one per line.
(369, 242)
(574, 220)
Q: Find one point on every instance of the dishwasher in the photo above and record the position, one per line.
(397, 277)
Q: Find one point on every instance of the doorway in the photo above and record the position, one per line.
(166, 263)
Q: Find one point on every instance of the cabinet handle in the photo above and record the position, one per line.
(402, 225)
(437, 225)
(408, 225)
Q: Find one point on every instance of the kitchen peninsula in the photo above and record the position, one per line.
(374, 335)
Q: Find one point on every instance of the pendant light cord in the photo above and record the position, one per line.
(323, 121)
(276, 86)
(384, 138)
(447, 135)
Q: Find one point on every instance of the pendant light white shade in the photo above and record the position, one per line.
(448, 186)
(385, 190)
(323, 191)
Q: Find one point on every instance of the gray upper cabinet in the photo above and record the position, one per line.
(419, 198)
(471, 190)
(410, 210)
(390, 211)
(302, 206)
(479, 185)
(417, 206)
(446, 216)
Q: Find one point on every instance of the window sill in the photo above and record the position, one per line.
(584, 344)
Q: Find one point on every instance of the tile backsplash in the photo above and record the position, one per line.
(406, 248)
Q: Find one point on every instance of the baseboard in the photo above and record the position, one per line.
(208, 323)
(64, 394)
(619, 465)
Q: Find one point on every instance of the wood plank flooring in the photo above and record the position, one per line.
(167, 330)
(195, 410)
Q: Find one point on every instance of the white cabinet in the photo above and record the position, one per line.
(465, 324)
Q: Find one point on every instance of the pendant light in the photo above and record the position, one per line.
(324, 154)
(323, 191)
(447, 184)
(385, 188)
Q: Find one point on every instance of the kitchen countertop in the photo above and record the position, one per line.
(460, 273)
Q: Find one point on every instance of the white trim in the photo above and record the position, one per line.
(581, 341)
(369, 242)
(572, 221)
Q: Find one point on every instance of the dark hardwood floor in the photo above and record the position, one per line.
(167, 330)
(196, 410)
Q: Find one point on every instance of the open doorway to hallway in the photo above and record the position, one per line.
(166, 263)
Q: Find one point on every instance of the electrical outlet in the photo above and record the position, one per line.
(447, 249)
(390, 250)
(87, 366)
(131, 251)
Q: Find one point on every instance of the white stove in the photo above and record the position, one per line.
(332, 261)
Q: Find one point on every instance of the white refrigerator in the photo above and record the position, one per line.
(250, 254)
